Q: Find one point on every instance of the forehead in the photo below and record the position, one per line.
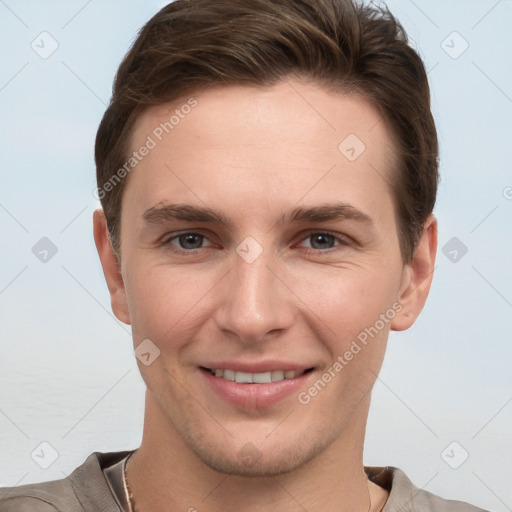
(284, 141)
(307, 107)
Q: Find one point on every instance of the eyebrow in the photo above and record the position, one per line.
(160, 214)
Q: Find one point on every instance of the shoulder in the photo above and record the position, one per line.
(84, 490)
(57, 495)
(404, 496)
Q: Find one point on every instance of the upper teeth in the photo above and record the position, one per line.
(258, 378)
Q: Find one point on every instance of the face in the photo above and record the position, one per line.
(259, 242)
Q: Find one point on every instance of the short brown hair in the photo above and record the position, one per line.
(348, 47)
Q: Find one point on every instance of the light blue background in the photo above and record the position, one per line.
(67, 371)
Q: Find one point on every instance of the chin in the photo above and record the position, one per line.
(258, 464)
(258, 459)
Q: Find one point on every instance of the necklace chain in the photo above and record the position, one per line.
(131, 501)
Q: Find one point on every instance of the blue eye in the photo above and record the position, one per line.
(187, 241)
(320, 242)
(323, 242)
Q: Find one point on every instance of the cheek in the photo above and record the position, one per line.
(170, 304)
(353, 325)
(347, 300)
(163, 301)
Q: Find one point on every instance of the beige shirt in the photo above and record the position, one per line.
(97, 486)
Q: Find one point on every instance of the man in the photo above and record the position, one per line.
(291, 144)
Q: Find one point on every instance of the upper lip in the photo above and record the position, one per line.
(256, 367)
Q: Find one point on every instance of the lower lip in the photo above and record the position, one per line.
(254, 396)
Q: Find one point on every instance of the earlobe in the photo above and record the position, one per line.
(417, 277)
(111, 267)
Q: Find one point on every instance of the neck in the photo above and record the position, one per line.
(164, 474)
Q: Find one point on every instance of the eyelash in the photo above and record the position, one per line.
(343, 241)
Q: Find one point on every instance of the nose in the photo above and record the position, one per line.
(254, 301)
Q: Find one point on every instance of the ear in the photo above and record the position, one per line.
(417, 277)
(111, 267)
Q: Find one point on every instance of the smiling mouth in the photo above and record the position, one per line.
(255, 378)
